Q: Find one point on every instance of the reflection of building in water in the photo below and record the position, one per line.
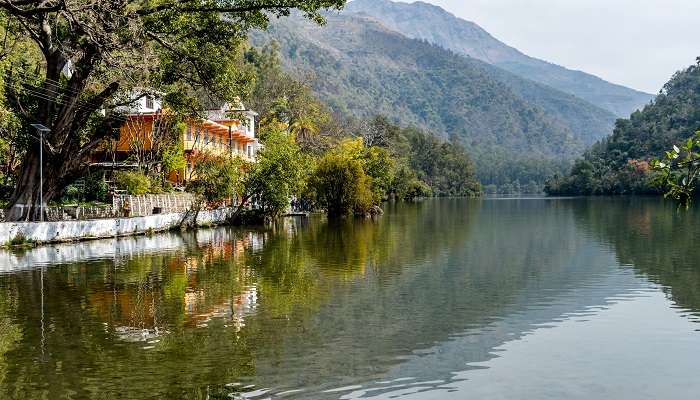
(233, 311)
(147, 297)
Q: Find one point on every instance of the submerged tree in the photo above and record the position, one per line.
(93, 55)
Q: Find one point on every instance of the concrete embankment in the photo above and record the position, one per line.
(65, 231)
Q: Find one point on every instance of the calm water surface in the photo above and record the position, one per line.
(445, 299)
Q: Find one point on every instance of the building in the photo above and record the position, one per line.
(226, 131)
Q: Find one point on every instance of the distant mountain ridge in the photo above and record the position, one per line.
(428, 22)
(508, 124)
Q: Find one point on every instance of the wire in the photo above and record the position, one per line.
(46, 95)
(55, 92)
(52, 82)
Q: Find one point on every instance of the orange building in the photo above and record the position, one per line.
(225, 131)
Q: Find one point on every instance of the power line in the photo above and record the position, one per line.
(52, 82)
(47, 94)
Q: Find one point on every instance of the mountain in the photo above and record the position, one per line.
(619, 164)
(431, 23)
(361, 68)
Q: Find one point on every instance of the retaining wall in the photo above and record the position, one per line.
(63, 231)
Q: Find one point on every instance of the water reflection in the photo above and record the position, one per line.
(419, 303)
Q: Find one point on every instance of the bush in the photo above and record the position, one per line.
(278, 174)
(216, 178)
(341, 186)
(156, 184)
(96, 188)
(72, 193)
(134, 182)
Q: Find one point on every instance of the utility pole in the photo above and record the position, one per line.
(42, 129)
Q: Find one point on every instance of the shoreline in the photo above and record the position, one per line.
(30, 234)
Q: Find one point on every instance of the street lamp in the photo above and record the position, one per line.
(42, 129)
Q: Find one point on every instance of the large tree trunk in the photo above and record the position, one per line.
(25, 203)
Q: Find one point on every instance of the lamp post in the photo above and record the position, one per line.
(42, 129)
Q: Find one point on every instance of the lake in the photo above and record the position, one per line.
(441, 299)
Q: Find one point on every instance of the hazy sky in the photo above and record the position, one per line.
(637, 43)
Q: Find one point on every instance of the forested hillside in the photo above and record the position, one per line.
(517, 132)
(403, 163)
(428, 22)
(620, 163)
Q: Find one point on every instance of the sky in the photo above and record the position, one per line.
(636, 43)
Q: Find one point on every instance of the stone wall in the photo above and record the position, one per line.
(141, 206)
(63, 231)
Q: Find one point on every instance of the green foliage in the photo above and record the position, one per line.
(620, 163)
(20, 240)
(341, 185)
(173, 158)
(278, 173)
(443, 168)
(379, 166)
(134, 182)
(96, 188)
(283, 101)
(680, 169)
(216, 178)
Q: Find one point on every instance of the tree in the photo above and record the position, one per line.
(286, 101)
(150, 140)
(217, 178)
(618, 163)
(278, 173)
(94, 53)
(341, 185)
(680, 170)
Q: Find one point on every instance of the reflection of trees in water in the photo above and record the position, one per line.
(453, 267)
(10, 332)
(318, 301)
(158, 300)
(652, 236)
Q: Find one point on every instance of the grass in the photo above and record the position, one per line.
(20, 241)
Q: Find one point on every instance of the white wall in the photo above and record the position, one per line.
(63, 231)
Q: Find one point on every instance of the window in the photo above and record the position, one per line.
(149, 102)
(206, 135)
(189, 132)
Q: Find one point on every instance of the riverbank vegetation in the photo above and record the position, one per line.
(620, 164)
(325, 161)
(352, 165)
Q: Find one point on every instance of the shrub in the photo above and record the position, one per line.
(278, 174)
(216, 178)
(341, 186)
(72, 193)
(134, 182)
(96, 188)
